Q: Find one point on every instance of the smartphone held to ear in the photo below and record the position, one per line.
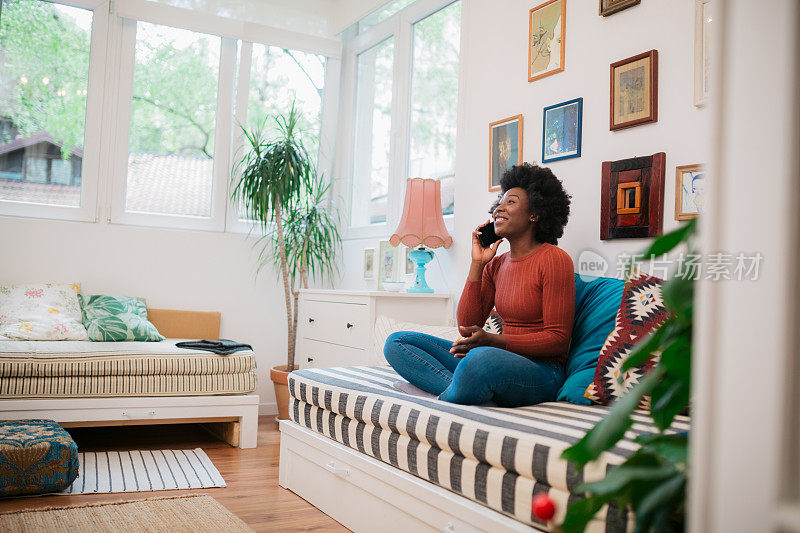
(487, 236)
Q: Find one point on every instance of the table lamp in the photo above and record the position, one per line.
(422, 224)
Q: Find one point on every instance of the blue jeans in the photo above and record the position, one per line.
(484, 374)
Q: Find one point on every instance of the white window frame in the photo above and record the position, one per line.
(401, 27)
(90, 165)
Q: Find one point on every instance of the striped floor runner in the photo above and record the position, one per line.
(144, 470)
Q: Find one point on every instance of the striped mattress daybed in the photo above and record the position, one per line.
(499, 458)
(83, 369)
(84, 383)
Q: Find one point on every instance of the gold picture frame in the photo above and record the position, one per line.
(546, 39)
(689, 191)
(505, 148)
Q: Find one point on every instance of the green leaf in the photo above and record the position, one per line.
(676, 359)
(667, 401)
(644, 350)
(580, 513)
(658, 504)
(668, 241)
(678, 295)
(612, 428)
(622, 476)
(669, 447)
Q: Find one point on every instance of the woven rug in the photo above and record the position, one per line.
(194, 513)
(144, 470)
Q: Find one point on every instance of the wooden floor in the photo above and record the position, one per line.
(252, 493)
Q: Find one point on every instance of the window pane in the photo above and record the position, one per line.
(381, 14)
(279, 77)
(44, 77)
(373, 134)
(434, 98)
(170, 162)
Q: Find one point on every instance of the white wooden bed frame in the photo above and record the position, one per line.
(365, 494)
(233, 418)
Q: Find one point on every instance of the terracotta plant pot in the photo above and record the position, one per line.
(280, 378)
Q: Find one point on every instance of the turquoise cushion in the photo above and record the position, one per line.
(597, 301)
(36, 456)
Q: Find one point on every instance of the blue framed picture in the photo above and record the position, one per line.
(562, 130)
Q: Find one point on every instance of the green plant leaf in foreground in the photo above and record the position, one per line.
(612, 428)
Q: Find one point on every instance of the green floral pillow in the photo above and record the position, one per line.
(117, 318)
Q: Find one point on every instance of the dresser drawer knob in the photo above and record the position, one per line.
(310, 359)
(349, 325)
(310, 320)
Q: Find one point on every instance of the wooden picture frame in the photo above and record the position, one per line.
(702, 51)
(689, 191)
(562, 129)
(609, 7)
(503, 134)
(634, 91)
(550, 21)
(632, 197)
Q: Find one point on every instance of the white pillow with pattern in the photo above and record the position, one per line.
(41, 312)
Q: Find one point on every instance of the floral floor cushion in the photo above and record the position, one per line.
(36, 456)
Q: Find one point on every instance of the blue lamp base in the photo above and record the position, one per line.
(421, 257)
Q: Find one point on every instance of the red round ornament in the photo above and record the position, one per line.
(543, 507)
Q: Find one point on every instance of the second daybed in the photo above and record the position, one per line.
(85, 383)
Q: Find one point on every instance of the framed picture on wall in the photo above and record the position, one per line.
(505, 148)
(561, 130)
(410, 266)
(387, 263)
(634, 91)
(546, 39)
(702, 51)
(369, 263)
(632, 197)
(609, 7)
(690, 188)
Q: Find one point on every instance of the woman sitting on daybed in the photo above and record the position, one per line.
(533, 290)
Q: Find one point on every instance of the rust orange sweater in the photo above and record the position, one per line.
(535, 297)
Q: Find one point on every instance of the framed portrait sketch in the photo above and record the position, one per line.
(369, 263)
(561, 130)
(690, 188)
(505, 148)
(702, 51)
(546, 39)
(609, 7)
(634, 91)
(387, 263)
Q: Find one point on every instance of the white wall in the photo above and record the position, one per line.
(494, 86)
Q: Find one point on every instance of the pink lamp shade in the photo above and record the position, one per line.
(422, 221)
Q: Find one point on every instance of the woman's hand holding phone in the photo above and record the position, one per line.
(481, 254)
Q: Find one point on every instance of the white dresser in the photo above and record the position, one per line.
(335, 327)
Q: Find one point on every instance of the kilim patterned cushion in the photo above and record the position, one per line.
(36, 456)
(641, 311)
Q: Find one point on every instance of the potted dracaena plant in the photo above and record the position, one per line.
(278, 187)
